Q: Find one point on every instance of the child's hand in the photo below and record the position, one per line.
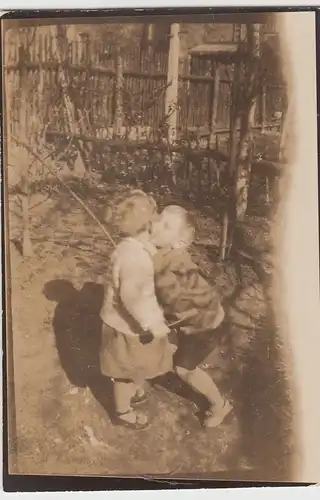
(147, 337)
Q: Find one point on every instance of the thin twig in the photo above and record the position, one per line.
(73, 194)
(66, 150)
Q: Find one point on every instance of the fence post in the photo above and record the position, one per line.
(236, 35)
(118, 119)
(86, 42)
(171, 101)
(215, 99)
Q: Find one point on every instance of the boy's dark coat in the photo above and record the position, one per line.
(180, 288)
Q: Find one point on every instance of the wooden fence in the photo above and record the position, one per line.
(33, 96)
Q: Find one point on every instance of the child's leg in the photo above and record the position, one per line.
(202, 383)
(192, 351)
(123, 394)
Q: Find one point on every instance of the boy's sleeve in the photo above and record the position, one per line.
(137, 292)
(168, 288)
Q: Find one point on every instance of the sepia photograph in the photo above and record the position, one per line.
(146, 168)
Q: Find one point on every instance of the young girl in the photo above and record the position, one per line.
(130, 313)
(182, 292)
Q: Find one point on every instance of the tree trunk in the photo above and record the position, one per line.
(26, 245)
(228, 210)
(224, 235)
(287, 120)
(263, 108)
(243, 170)
(118, 119)
(171, 100)
(27, 250)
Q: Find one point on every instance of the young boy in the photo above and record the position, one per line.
(130, 311)
(182, 292)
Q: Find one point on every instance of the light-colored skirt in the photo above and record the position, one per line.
(125, 357)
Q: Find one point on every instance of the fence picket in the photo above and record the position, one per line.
(90, 69)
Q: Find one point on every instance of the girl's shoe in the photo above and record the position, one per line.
(139, 397)
(133, 420)
(215, 416)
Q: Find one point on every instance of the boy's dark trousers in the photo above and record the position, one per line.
(193, 349)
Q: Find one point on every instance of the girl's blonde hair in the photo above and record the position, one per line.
(132, 213)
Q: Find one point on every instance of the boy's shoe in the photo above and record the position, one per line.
(215, 416)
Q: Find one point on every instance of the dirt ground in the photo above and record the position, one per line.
(64, 407)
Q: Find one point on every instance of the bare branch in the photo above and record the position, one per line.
(65, 151)
(73, 194)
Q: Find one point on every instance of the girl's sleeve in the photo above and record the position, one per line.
(137, 292)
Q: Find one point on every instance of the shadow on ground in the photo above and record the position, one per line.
(77, 328)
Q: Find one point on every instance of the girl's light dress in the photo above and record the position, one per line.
(130, 308)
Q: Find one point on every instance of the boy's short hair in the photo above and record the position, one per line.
(131, 212)
(189, 225)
